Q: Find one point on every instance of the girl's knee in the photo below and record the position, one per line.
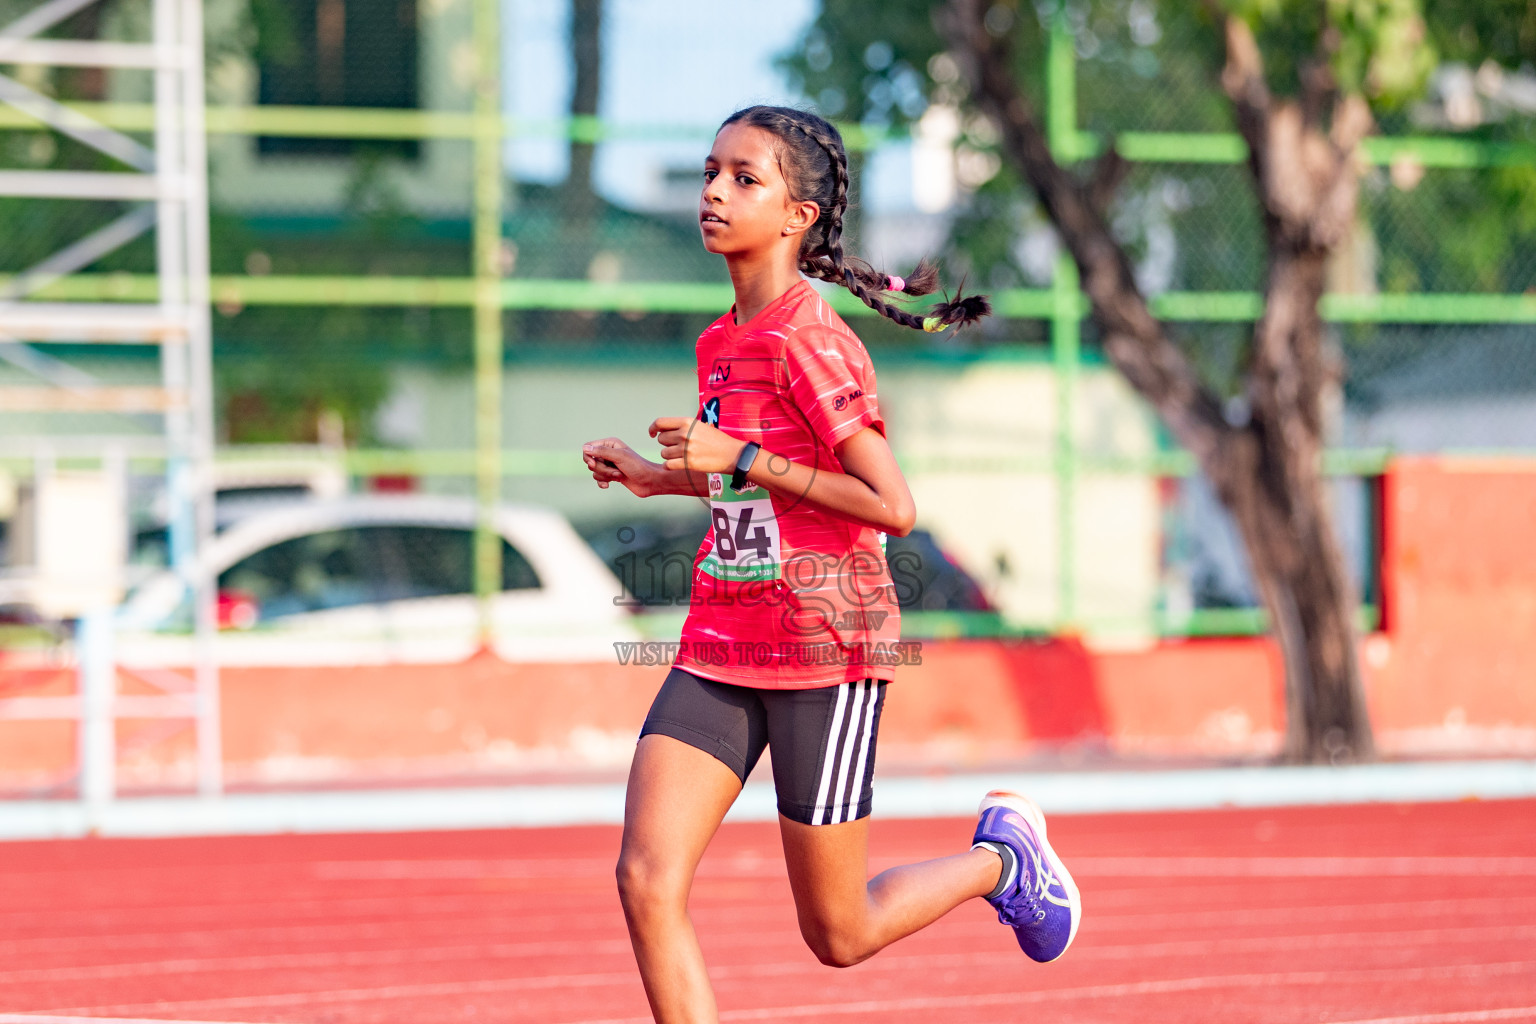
(648, 884)
(834, 945)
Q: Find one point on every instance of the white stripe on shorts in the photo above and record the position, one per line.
(850, 731)
(856, 794)
(828, 765)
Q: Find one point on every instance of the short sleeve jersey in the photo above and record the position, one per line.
(786, 595)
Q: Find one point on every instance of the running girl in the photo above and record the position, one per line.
(793, 615)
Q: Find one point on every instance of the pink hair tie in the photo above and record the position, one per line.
(894, 283)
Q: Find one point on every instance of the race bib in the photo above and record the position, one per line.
(746, 533)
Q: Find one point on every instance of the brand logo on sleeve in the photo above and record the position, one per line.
(841, 401)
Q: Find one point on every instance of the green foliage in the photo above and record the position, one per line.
(1145, 66)
(1472, 31)
(1382, 49)
(984, 239)
(277, 395)
(1376, 48)
(882, 62)
(1153, 65)
(1464, 231)
(273, 37)
(866, 62)
(278, 368)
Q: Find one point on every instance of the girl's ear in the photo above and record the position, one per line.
(801, 217)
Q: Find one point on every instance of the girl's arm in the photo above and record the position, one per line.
(869, 492)
(611, 460)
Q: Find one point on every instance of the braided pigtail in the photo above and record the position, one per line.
(921, 281)
(822, 254)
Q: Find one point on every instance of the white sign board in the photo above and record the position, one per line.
(79, 535)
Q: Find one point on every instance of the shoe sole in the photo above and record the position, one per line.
(1036, 818)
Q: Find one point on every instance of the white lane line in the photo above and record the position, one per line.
(599, 869)
(467, 904)
(1377, 940)
(1106, 917)
(574, 925)
(1455, 1017)
(886, 1006)
(1304, 867)
(32, 1018)
(1111, 867)
(1505, 908)
(579, 981)
(1114, 920)
(1388, 940)
(1368, 940)
(357, 995)
(313, 961)
(395, 870)
(753, 864)
(1363, 941)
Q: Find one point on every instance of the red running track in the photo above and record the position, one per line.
(1413, 914)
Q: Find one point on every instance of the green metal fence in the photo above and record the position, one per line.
(478, 301)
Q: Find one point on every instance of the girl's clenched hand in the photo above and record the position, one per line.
(610, 459)
(694, 444)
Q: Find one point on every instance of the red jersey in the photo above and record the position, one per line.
(785, 595)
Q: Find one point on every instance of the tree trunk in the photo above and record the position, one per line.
(1269, 478)
(587, 59)
(581, 209)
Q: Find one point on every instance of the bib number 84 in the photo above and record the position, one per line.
(745, 535)
(732, 544)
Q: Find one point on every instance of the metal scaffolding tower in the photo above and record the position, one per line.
(168, 185)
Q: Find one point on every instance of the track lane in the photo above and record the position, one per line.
(1279, 915)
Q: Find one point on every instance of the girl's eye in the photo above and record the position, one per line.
(709, 175)
(745, 180)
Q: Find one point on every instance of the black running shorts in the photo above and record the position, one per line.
(823, 739)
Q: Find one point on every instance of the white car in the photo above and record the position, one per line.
(379, 579)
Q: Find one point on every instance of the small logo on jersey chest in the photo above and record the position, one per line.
(721, 373)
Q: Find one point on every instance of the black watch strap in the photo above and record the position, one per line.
(743, 463)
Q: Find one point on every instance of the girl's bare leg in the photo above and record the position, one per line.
(846, 916)
(677, 797)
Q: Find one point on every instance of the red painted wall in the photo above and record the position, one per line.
(1458, 652)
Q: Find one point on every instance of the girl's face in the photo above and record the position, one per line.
(745, 206)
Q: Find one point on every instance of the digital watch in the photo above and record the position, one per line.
(743, 464)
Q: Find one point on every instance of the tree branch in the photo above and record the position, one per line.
(1134, 339)
(1351, 122)
(1319, 86)
(1242, 77)
(1108, 173)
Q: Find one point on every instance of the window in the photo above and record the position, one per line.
(426, 561)
(366, 565)
(306, 574)
(337, 53)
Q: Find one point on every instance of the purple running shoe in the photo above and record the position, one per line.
(1036, 895)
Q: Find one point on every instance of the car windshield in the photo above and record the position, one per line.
(365, 565)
